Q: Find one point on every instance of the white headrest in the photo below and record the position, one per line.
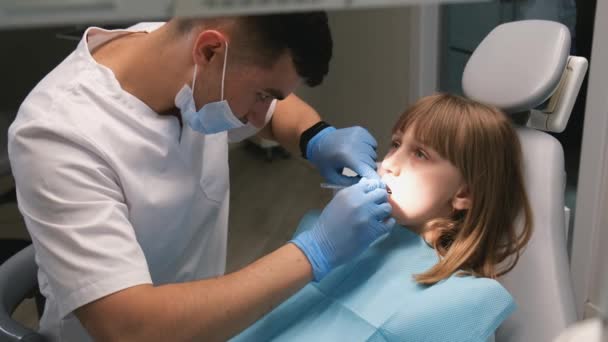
(518, 65)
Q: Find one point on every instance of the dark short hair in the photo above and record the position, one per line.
(264, 38)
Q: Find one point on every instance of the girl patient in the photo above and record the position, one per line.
(455, 176)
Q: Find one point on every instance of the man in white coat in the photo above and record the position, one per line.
(120, 158)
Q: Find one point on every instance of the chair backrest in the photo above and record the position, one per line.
(541, 282)
(521, 67)
(18, 280)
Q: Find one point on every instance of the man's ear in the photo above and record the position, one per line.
(207, 46)
(462, 199)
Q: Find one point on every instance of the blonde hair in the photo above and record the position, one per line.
(480, 142)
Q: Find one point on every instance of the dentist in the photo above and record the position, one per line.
(120, 159)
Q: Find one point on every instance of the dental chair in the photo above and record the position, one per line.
(524, 68)
(18, 281)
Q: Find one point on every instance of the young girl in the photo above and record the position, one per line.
(455, 175)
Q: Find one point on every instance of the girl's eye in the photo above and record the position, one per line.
(395, 144)
(420, 154)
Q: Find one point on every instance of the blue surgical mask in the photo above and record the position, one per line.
(214, 117)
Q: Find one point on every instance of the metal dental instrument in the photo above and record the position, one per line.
(340, 187)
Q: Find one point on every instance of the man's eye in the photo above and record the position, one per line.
(263, 97)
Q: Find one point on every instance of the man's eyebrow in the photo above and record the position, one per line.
(275, 93)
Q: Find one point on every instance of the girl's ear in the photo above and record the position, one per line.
(462, 199)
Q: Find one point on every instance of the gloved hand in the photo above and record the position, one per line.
(355, 218)
(333, 149)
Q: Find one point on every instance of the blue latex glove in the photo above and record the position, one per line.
(333, 149)
(355, 218)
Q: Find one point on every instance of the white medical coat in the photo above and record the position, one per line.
(113, 194)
